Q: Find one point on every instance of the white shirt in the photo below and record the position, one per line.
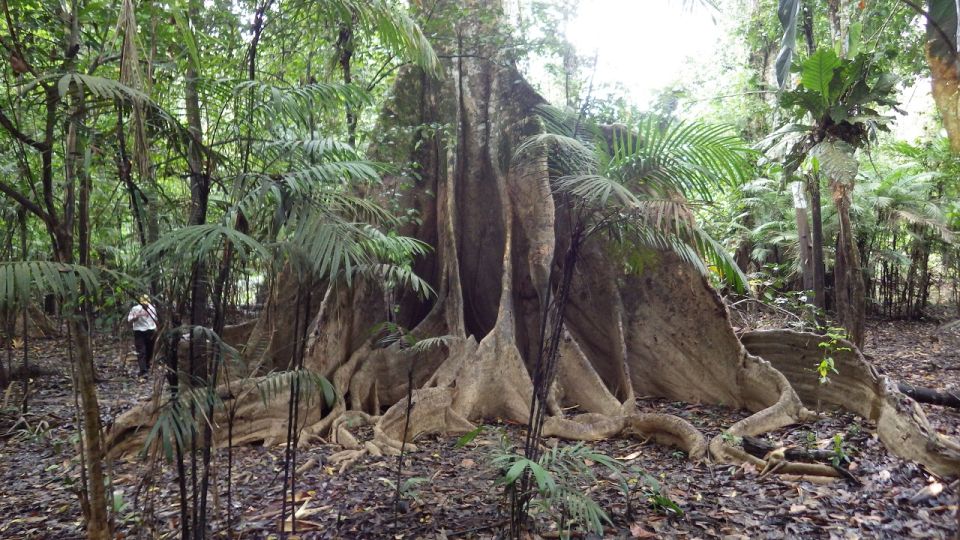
(143, 319)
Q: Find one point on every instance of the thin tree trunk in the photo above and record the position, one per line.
(848, 276)
(199, 200)
(344, 47)
(816, 254)
(97, 522)
(803, 236)
(98, 526)
(124, 172)
(25, 380)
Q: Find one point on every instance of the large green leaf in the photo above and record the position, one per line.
(818, 70)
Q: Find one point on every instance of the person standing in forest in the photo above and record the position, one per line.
(143, 316)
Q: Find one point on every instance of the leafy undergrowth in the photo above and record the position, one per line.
(452, 492)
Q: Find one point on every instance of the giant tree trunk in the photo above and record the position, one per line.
(496, 228)
(943, 59)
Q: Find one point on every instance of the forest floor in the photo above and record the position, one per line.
(451, 492)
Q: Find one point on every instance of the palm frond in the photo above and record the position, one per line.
(297, 101)
(321, 247)
(101, 87)
(320, 149)
(395, 276)
(933, 222)
(398, 31)
(333, 172)
(172, 429)
(185, 247)
(688, 157)
(567, 122)
(596, 191)
(426, 344)
(394, 333)
(568, 154)
(179, 420)
(310, 384)
(720, 261)
(636, 236)
(666, 214)
(24, 281)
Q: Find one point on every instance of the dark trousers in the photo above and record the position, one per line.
(143, 343)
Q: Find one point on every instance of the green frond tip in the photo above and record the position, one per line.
(24, 281)
(178, 420)
(184, 247)
(394, 27)
(308, 384)
(401, 33)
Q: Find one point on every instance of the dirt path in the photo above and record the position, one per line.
(452, 492)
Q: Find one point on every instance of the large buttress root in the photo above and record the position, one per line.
(857, 388)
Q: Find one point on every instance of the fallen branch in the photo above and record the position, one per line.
(762, 449)
(931, 396)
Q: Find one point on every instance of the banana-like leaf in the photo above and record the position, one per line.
(787, 12)
(818, 71)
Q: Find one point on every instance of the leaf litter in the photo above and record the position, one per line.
(451, 492)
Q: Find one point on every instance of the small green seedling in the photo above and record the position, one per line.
(830, 346)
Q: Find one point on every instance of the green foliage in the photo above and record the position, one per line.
(394, 333)
(409, 488)
(395, 28)
(658, 498)
(836, 90)
(818, 71)
(635, 180)
(830, 345)
(468, 437)
(22, 282)
(731, 439)
(559, 476)
(840, 456)
(184, 248)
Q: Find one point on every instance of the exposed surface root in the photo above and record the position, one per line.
(858, 388)
(662, 428)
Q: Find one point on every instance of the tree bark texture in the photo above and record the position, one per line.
(943, 59)
(499, 235)
(849, 290)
